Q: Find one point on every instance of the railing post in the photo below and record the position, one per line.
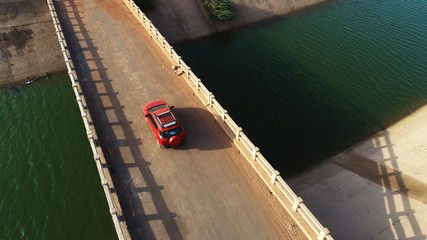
(238, 131)
(150, 28)
(211, 98)
(274, 176)
(198, 84)
(179, 60)
(254, 152)
(113, 211)
(170, 51)
(322, 234)
(223, 115)
(188, 72)
(296, 203)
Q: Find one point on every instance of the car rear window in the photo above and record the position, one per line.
(172, 132)
(157, 107)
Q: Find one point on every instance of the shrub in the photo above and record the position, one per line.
(225, 15)
(221, 9)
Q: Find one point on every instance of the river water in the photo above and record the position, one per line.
(306, 86)
(49, 185)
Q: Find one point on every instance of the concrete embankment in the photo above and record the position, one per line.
(180, 20)
(29, 48)
(376, 189)
(28, 42)
(251, 11)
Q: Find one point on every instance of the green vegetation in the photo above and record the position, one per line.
(144, 4)
(221, 9)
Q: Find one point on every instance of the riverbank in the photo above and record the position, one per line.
(252, 11)
(381, 180)
(181, 20)
(28, 42)
(29, 48)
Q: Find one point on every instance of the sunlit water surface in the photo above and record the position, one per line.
(49, 185)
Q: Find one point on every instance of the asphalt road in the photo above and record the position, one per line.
(192, 192)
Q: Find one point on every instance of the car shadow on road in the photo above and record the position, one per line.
(109, 118)
(201, 134)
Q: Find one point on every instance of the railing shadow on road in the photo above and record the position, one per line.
(91, 73)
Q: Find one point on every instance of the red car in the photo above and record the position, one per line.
(167, 129)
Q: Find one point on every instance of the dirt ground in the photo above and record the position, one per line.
(28, 42)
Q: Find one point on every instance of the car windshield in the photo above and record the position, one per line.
(170, 133)
(157, 107)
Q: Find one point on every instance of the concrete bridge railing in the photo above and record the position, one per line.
(121, 227)
(271, 177)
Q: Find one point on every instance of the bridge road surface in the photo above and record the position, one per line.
(192, 192)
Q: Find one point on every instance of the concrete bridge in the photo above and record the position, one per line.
(217, 185)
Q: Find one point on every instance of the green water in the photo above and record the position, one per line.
(309, 85)
(49, 185)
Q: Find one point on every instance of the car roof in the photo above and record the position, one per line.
(164, 116)
(166, 119)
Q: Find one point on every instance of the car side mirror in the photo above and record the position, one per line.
(147, 115)
(172, 107)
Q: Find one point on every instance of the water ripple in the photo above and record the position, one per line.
(333, 75)
(40, 175)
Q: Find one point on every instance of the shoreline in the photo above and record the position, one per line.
(184, 20)
(381, 179)
(29, 44)
(248, 16)
(31, 79)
